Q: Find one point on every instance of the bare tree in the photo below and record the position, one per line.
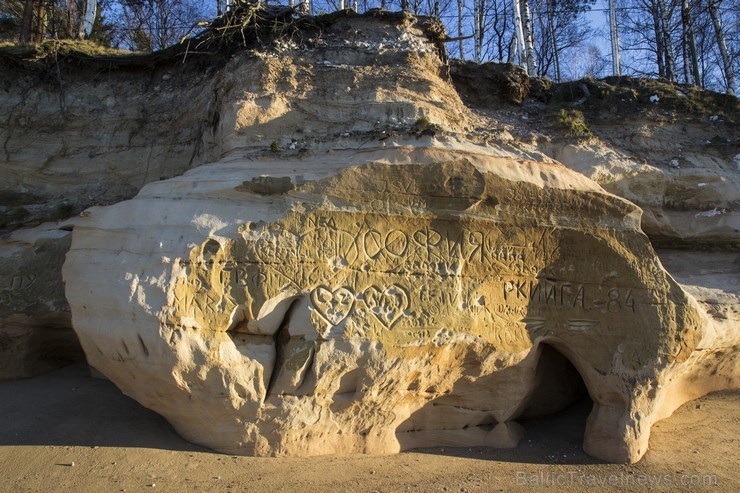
(587, 61)
(614, 38)
(520, 39)
(559, 27)
(148, 25)
(460, 13)
(691, 62)
(528, 38)
(648, 30)
(500, 30)
(670, 56)
(553, 37)
(479, 30)
(722, 44)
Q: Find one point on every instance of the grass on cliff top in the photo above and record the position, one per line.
(55, 52)
(624, 96)
(58, 47)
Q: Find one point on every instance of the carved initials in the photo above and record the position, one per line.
(22, 281)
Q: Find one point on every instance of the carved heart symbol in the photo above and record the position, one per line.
(335, 305)
(387, 305)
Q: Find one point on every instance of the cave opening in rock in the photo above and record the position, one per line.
(557, 409)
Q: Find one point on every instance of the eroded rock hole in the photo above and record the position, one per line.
(210, 250)
(558, 407)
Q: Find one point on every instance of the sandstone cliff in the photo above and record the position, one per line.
(365, 263)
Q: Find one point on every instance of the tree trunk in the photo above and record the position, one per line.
(71, 32)
(659, 50)
(39, 29)
(478, 33)
(481, 27)
(726, 60)
(512, 53)
(476, 26)
(528, 39)
(614, 35)
(670, 55)
(25, 36)
(460, 6)
(518, 28)
(690, 43)
(91, 12)
(553, 38)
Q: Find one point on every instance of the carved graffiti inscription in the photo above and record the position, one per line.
(387, 305)
(402, 270)
(20, 281)
(334, 305)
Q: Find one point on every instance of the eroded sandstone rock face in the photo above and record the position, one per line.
(35, 323)
(690, 206)
(381, 301)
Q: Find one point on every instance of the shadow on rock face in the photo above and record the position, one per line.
(551, 439)
(502, 409)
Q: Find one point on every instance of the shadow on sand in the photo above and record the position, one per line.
(554, 439)
(69, 407)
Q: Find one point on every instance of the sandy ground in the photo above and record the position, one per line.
(66, 431)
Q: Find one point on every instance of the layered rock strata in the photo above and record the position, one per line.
(691, 203)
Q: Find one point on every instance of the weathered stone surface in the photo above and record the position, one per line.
(712, 279)
(694, 205)
(94, 138)
(35, 324)
(383, 300)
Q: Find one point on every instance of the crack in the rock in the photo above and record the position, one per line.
(281, 338)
